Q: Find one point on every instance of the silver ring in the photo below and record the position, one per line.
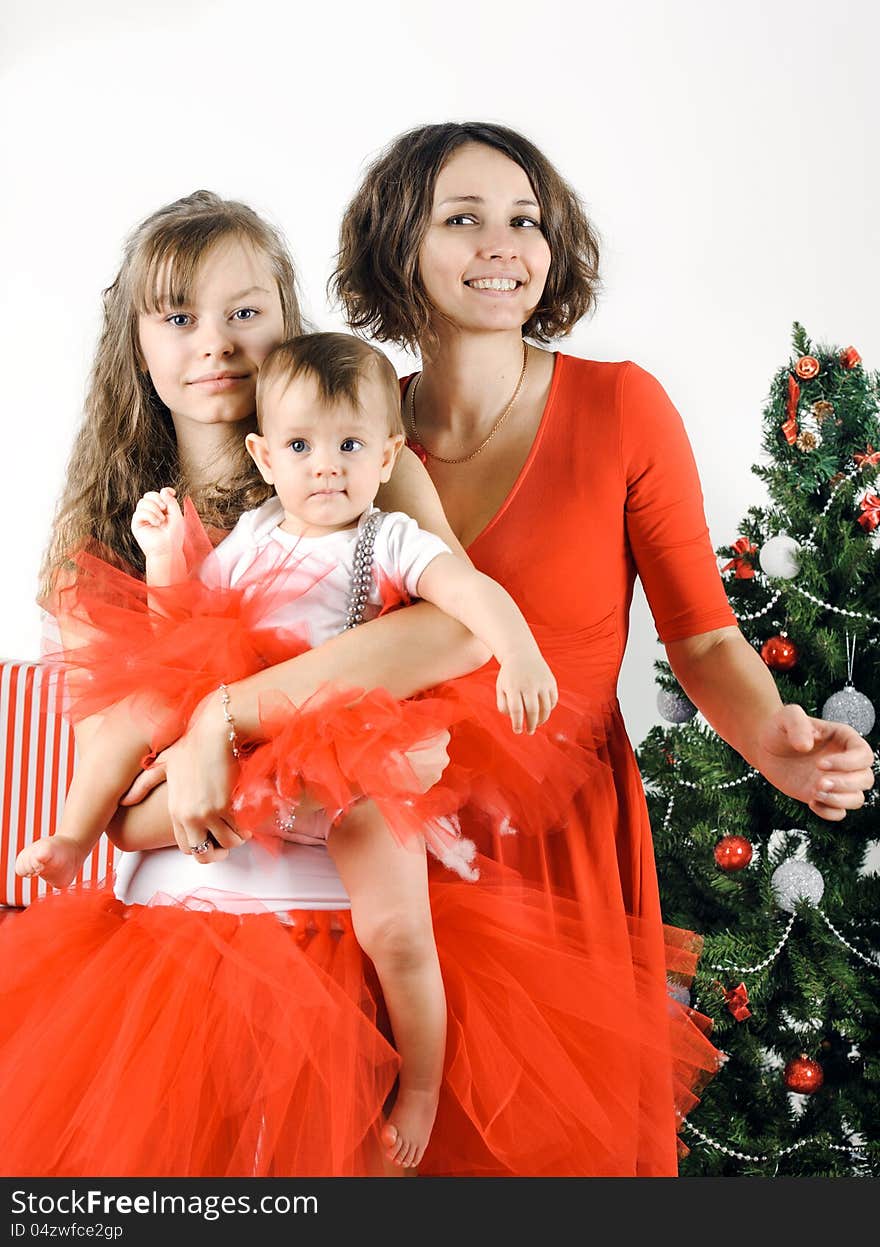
(201, 848)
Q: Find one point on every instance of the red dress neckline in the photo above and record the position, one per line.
(530, 457)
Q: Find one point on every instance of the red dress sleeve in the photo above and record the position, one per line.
(665, 524)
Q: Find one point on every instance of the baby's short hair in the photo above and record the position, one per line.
(338, 362)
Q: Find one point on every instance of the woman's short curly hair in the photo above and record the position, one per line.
(377, 271)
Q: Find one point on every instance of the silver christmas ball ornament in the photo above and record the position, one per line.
(779, 557)
(679, 992)
(795, 881)
(675, 707)
(852, 707)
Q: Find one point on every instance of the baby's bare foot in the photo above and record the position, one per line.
(57, 859)
(408, 1129)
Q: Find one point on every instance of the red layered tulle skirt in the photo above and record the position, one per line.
(161, 651)
(180, 1039)
(175, 1039)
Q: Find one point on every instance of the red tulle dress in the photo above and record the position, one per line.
(182, 1037)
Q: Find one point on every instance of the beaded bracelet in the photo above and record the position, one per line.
(227, 715)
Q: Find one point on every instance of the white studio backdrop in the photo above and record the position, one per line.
(726, 154)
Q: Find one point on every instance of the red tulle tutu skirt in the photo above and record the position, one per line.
(175, 1039)
(179, 1039)
(163, 650)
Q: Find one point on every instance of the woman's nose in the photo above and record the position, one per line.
(499, 244)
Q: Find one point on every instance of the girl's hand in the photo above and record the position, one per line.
(201, 772)
(825, 765)
(526, 690)
(146, 781)
(157, 524)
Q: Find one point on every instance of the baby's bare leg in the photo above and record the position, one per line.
(107, 767)
(391, 916)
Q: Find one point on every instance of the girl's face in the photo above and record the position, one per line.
(484, 260)
(203, 357)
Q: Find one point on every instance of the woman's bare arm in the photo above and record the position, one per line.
(825, 765)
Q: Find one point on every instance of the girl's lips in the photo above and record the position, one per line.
(216, 385)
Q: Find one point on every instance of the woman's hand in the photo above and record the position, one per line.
(825, 765)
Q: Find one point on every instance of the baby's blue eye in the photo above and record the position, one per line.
(245, 313)
(298, 445)
(351, 443)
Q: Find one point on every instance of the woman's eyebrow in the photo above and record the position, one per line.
(476, 199)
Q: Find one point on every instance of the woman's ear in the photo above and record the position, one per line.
(258, 449)
(393, 447)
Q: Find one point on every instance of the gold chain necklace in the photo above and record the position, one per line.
(411, 396)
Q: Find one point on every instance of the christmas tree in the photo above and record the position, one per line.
(790, 971)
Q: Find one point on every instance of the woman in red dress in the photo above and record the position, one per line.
(221, 1043)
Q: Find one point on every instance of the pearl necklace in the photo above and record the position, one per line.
(411, 397)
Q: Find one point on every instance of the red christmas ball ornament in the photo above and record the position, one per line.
(807, 367)
(733, 853)
(803, 1075)
(779, 653)
(850, 357)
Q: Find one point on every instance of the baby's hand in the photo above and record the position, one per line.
(157, 523)
(526, 690)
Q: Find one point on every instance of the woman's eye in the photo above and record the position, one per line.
(179, 319)
(351, 443)
(245, 313)
(526, 222)
(462, 218)
(298, 445)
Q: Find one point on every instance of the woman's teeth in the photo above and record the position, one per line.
(493, 283)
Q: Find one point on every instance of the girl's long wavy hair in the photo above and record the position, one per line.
(126, 441)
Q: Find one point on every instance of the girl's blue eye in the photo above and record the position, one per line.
(245, 313)
(298, 445)
(351, 443)
(179, 319)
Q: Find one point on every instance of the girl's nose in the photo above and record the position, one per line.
(215, 339)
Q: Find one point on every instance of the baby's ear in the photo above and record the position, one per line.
(393, 447)
(258, 449)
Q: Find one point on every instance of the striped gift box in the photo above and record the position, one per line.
(38, 763)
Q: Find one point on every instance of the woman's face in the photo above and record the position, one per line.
(203, 357)
(484, 259)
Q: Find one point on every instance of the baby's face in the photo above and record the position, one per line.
(325, 461)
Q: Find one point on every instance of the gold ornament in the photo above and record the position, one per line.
(806, 440)
(822, 409)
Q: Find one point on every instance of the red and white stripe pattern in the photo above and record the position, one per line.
(35, 774)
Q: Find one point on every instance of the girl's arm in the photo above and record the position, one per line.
(825, 765)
